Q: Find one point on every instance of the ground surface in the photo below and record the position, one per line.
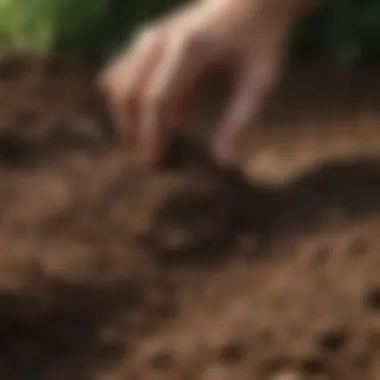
(109, 271)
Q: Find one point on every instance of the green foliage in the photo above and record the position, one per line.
(41, 25)
(123, 17)
(346, 30)
(99, 26)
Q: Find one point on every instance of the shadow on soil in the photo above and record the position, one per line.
(237, 216)
(59, 338)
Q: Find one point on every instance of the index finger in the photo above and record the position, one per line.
(125, 78)
(173, 82)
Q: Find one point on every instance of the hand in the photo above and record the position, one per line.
(151, 86)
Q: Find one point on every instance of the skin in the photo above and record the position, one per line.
(151, 86)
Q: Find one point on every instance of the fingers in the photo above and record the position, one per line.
(150, 89)
(167, 99)
(251, 91)
(124, 81)
(152, 86)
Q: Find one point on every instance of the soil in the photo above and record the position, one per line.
(110, 270)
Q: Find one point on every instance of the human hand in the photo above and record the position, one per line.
(152, 86)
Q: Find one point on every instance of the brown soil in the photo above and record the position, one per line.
(112, 271)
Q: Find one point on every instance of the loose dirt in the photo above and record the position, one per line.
(110, 271)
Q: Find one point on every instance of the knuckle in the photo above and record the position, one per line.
(106, 78)
(191, 44)
(146, 35)
(115, 89)
(108, 82)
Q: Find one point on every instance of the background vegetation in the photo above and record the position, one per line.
(343, 30)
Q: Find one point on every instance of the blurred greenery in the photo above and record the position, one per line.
(344, 30)
(95, 26)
